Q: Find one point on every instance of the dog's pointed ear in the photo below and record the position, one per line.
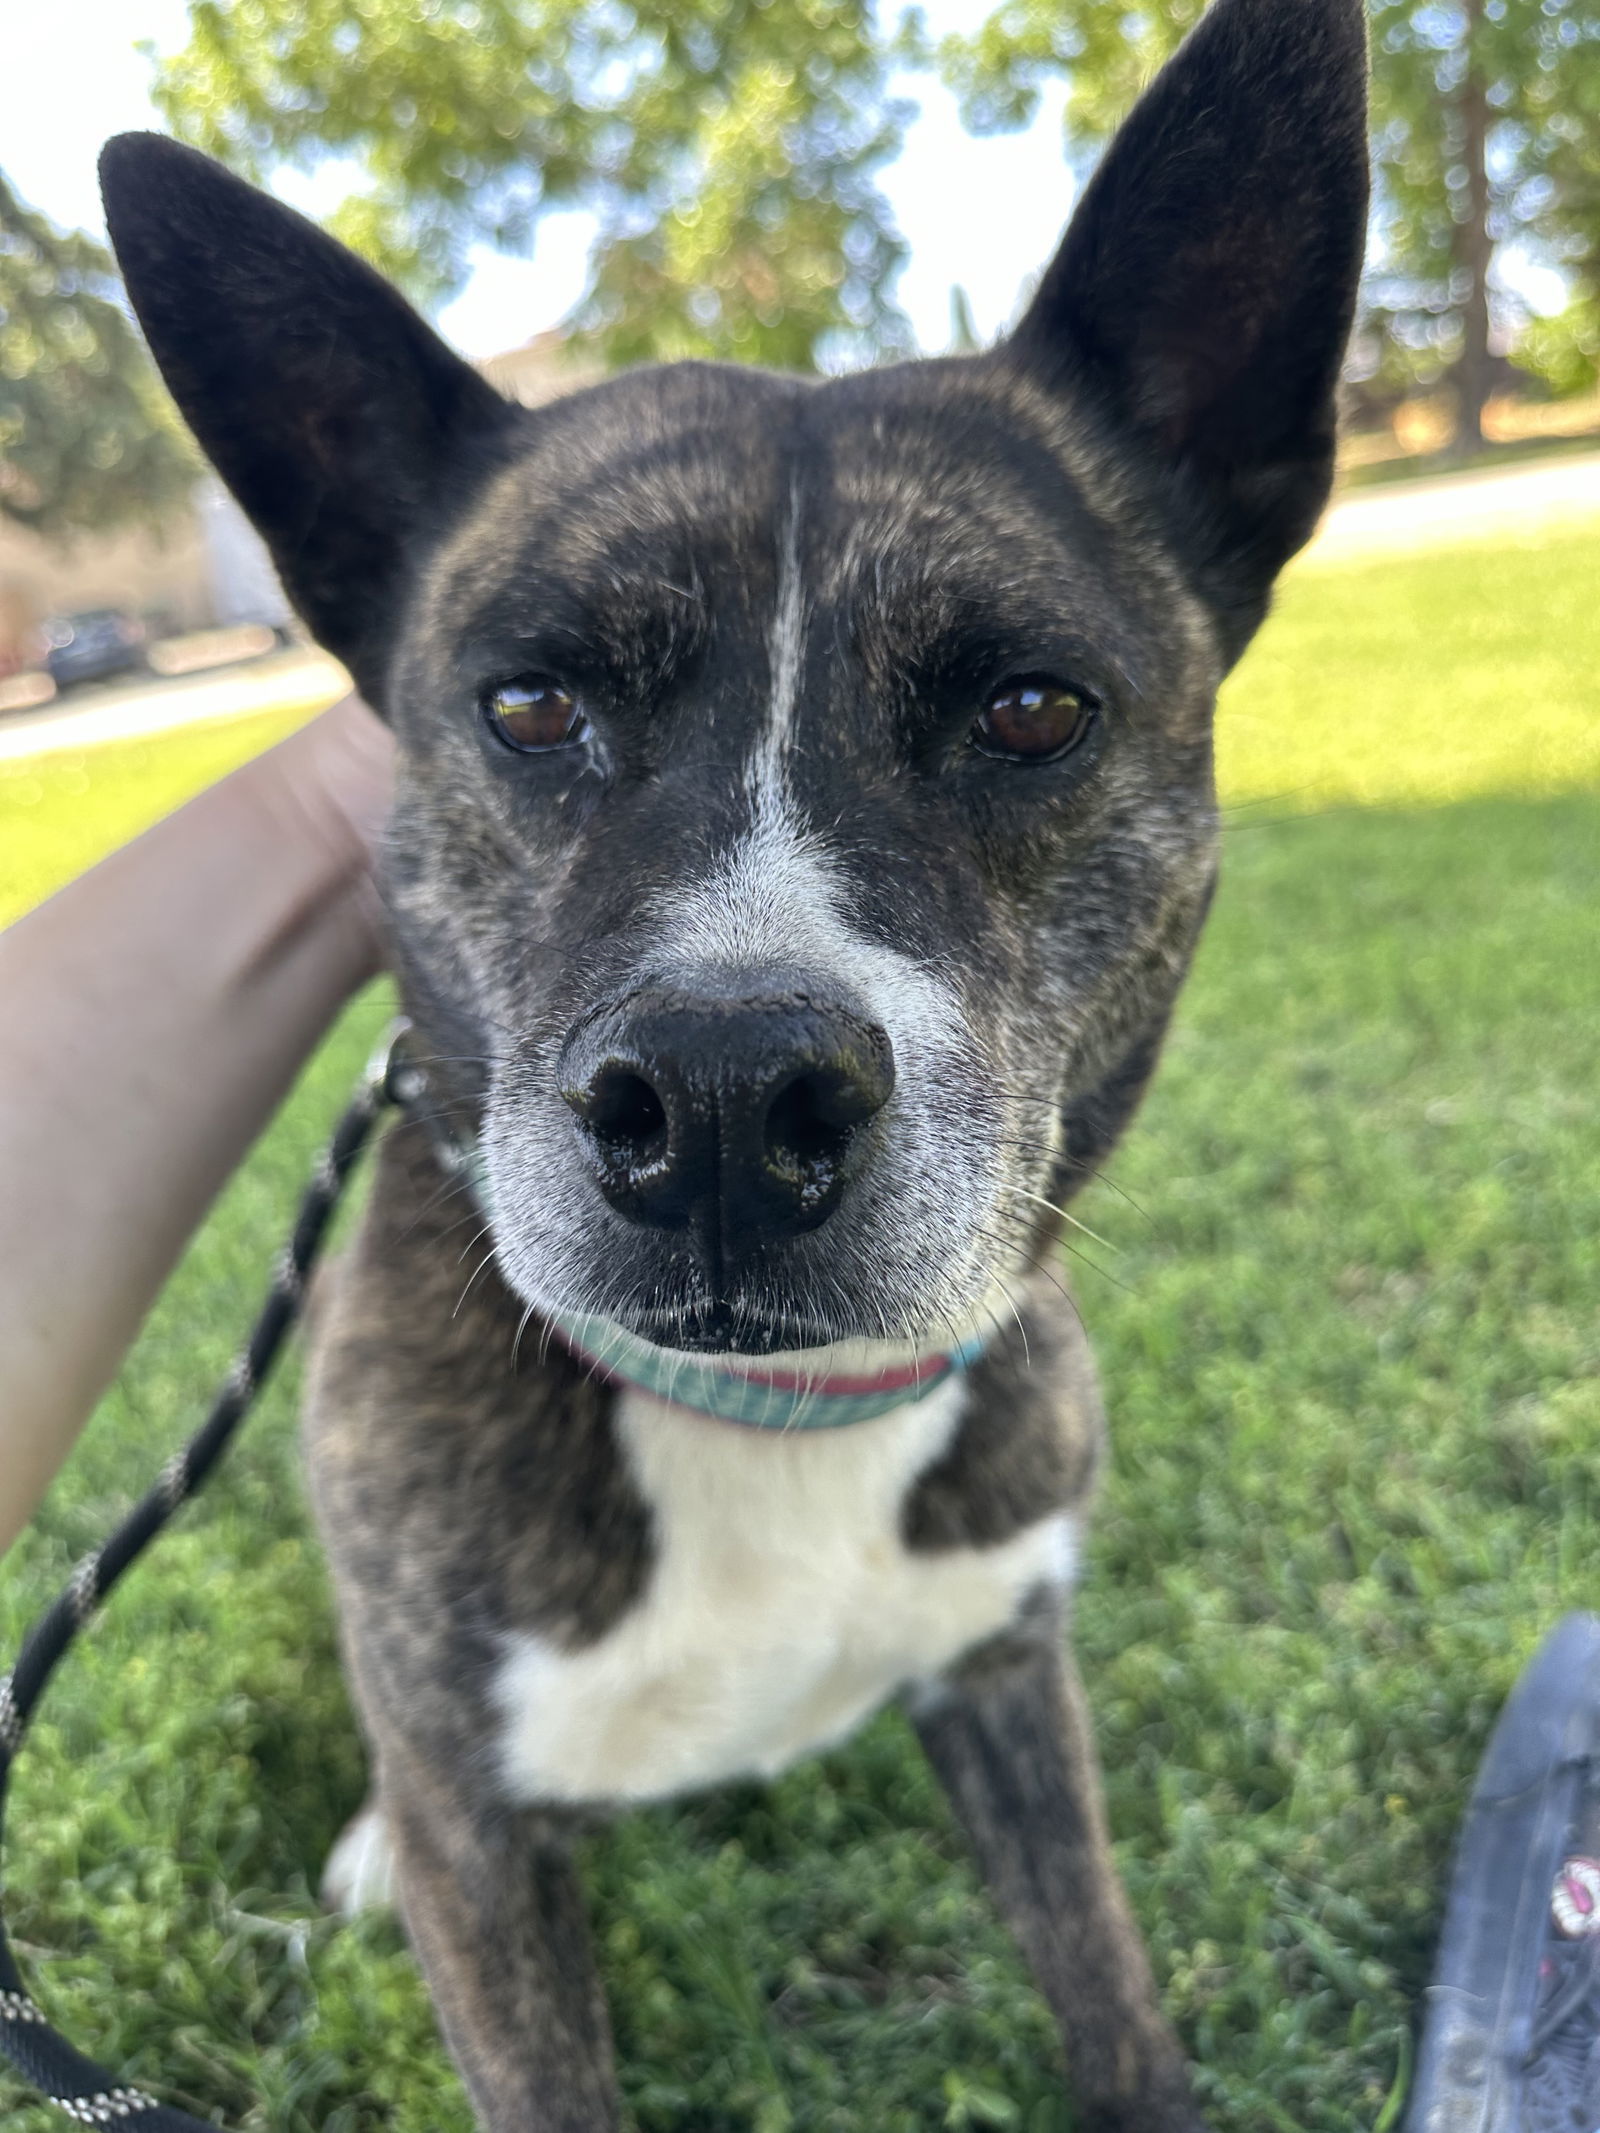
(339, 420)
(1204, 291)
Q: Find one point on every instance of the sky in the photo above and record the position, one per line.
(984, 215)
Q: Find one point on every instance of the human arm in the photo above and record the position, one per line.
(152, 1016)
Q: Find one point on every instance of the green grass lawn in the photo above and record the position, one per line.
(1352, 1350)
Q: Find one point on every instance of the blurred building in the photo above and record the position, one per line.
(541, 369)
(205, 565)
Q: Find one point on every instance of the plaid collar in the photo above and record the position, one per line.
(749, 1390)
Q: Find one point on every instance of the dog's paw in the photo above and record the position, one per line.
(359, 1875)
(1159, 2100)
(1165, 2113)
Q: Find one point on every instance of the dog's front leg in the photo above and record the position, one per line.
(495, 1910)
(1008, 1733)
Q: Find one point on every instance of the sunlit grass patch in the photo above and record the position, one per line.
(1420, 680)
(61, 812)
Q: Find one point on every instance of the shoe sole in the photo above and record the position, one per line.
(1479, 2011)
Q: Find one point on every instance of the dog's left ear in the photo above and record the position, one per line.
(1204, 291)
(342, 423)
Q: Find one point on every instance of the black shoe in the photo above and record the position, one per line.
(1511, 2039)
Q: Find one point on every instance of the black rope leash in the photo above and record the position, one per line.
(39, 2053)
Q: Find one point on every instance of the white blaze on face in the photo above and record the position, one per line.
(766, 776)
(776, 900)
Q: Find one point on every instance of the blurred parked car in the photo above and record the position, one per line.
(90, 646)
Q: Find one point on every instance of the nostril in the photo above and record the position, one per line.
(804, 1130)
(814, 1117)
(620, 1106)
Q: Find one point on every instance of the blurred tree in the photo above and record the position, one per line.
(1486, 132)
(728, 147)
(87, 437)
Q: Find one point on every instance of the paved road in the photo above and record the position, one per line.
(1510, 501)
(1459, 507)
(284, 681)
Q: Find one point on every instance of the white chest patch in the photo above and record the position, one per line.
(782, 1609)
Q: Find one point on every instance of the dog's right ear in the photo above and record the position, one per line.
(339, 420)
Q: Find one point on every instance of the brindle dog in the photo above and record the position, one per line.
(805, 820)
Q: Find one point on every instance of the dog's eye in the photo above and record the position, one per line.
(1033, 721)
(534, 714)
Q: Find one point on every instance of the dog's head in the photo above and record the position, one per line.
(805, 809)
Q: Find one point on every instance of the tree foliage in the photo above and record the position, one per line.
(1486, 133)
(87, 437)
(728, 148)
(1485, 113)
(1563, 351)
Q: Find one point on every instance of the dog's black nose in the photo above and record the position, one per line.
(740, 1119)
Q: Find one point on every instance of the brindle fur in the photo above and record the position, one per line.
(462, 1495)
(781, 601)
